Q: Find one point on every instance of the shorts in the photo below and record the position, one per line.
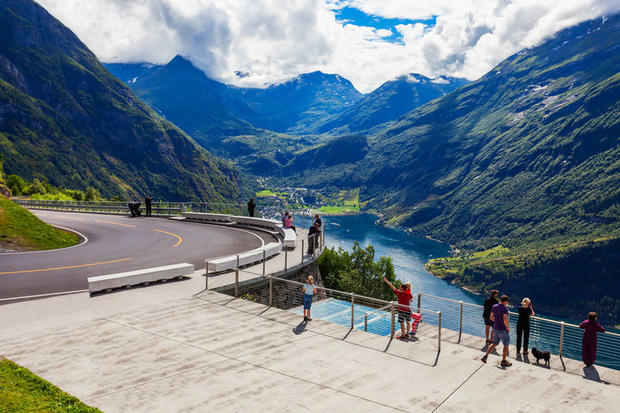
(404, 316)
(501, 335)
(307, 301)
(488, 322)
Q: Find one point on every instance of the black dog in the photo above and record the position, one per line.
(545, 355)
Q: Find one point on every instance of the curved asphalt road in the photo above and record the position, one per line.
(117, 244)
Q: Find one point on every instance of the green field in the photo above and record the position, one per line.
(265, 193)
(23, 391)
(21, 230)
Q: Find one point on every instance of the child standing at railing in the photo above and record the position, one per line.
(309, 290)
(588, 347)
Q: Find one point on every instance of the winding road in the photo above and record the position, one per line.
(117, 244)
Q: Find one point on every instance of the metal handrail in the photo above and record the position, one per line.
(559, 323)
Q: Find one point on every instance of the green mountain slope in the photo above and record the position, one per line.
(527, 154)
(67, 120)
(527, 157)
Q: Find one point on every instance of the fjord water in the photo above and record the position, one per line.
(409, 253)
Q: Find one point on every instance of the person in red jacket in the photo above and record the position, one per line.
(404, 311)
(588, 345)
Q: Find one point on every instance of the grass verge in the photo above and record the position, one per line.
(23, 391)
(21, 230)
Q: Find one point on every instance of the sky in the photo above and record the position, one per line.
(366, 41)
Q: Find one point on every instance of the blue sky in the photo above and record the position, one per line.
(352, 15)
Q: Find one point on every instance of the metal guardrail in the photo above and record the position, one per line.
(158, 208)
(107, 207)
(558, 337)
(356, 311)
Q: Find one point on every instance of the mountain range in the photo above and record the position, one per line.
(253, 125)
(66, 120)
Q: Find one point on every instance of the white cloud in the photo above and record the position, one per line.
(273, 40)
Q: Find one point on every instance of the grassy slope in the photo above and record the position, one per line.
(19, 229)
(23, 391)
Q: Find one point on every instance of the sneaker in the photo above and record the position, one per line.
(308, 319)
(484, 359)
(505, 363)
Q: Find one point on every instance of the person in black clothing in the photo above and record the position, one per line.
(147, 203)
(486, 314)
(317, 220)
(313, 234)
(251, 207)
(523, 324)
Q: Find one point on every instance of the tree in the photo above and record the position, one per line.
(38, 187)
(91, 194)
(16, 184)
(358, 272)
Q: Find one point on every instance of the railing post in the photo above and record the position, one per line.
(439, 332)
(366, 322)
(303, 251)
(393, 321)
(286, 260)
(207, 277)
(270, 291)
(461, 322)
(352, 310)
(237, 278)
(264, 261)
(561, 338)
(419, 302)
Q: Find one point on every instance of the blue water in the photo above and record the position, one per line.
(409, 253)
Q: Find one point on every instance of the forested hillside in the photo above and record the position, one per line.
(66, 120)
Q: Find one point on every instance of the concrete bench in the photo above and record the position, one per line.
(289, 238)
(260, 222)
(202, 216)
(147, 275)
(245, 258)
(241, 220)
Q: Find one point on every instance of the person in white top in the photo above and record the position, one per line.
(309, 290)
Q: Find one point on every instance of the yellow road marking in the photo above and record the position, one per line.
(61, 217)
(67, 267)
(115, 223)
(174, 235)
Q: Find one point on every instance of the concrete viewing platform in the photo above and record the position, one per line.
(177, 347)
(162, 349)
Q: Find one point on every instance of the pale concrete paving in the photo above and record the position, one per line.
(162, 349)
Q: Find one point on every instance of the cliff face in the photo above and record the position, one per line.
(65, 119)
